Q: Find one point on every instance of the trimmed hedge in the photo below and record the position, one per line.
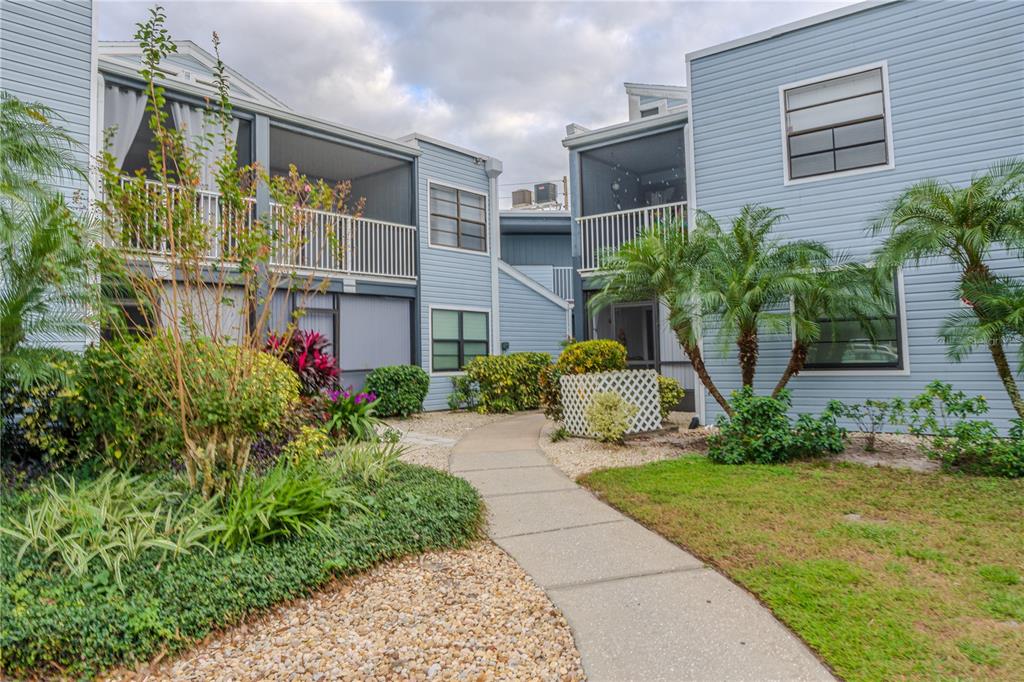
(507, 383)
(52, 623)
(400, 389)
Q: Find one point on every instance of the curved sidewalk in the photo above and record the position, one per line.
(640, 608)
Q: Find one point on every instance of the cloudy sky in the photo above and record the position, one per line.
(500, 78)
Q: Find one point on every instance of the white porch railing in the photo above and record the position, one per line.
(309, 240)
(337, 243)
(143, 236)
(607, 232)
(562, 282)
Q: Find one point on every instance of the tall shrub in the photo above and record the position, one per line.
(400, 389)
(507, 383)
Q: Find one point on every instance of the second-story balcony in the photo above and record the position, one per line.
(305, 240)
(629, 186)
(605, 233)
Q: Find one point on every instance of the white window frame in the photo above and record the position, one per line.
(890, 153)
(901, 304)
(430, 335)
(487, 219)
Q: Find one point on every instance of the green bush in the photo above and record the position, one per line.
(124, 422)
(670, 392)
(760, 432)
(111, 522)
(943, 417)
(507, 383)
(581, 357)
(54, 624)
(871, 416)
(289, 501)
(465, 393)
(42, 423)
(400, 389)
(608, 416)
(974, 447)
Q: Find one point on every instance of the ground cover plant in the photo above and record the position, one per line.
(53, 621)
(887, 574)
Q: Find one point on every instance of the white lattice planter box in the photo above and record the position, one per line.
(636, 386)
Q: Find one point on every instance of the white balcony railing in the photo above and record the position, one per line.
(334, 242)
(309, 240)
(562, 283)
(606, 232)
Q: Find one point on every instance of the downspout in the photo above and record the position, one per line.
(493, 169)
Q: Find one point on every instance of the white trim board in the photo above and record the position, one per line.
(414, 137)
(533, 285)
(887, 110)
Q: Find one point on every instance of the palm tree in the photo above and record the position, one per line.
(663, 263)
(934, 219)
(45, 273)
(995, 309)
(750, 278)
(844, 291)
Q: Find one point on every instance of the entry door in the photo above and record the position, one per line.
(633, 327)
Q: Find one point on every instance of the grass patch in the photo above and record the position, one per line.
(51, 622)
(888, 574)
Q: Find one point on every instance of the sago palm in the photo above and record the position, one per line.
(45, 275)
(663, 264)
(750, 278)
(967, 225)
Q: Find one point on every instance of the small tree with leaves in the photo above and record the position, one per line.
(204, 272)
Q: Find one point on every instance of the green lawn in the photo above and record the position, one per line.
(887, 574)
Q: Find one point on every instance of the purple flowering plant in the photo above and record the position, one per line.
(350, 415)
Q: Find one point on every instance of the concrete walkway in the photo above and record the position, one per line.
(640, 608)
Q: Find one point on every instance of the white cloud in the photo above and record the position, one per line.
(502, 78)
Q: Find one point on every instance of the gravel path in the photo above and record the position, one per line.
(470, 614)
(457, 615)
(578, 456)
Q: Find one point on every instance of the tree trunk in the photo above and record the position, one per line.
(697, 360)
(747, 345)
(995, 346)
(980, 272)
(797, 359)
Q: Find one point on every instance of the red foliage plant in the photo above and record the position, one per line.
(303, 351)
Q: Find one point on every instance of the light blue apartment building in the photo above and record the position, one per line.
(828, 119)
(420, 280)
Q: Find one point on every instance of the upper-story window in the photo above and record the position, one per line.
(837, 124)
(458, 218)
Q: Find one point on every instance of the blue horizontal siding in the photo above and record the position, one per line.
(529, 322)
(956, 89)
(46, 58)
(448, 278)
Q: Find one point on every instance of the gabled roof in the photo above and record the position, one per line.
(190, 65)
(652, 90)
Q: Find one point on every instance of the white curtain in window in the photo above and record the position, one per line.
(202, 133)
(123, 110)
